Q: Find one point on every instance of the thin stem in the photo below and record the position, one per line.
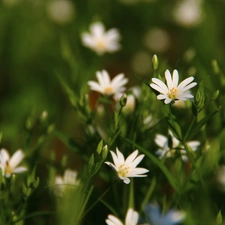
(148, 194)
(189, 129)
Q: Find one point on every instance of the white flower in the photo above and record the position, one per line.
(106, 86)
(9, 165)
(69, 179)
(101, 41)
(127, 168)
(60, 11)
(131, 218)
(165, 150)
(173, 91)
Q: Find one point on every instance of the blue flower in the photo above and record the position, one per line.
(155, 216)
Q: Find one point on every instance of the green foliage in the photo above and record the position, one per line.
(66, 130)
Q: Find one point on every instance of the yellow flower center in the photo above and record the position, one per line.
(173, 93)
(123, 170)
(108, 90)
(8, 169)
(101, 45)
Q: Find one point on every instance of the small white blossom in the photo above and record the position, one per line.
(127, 168)
(101, 41)
(165, 151)
(68, 180)
(131, 219)
(106, 86)
(9, 165)
(172, 91)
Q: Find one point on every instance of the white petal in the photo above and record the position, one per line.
(131, 217)
(120, 156)
(119, 80)
(185, 83)
(137, 161)
(193, 144)
(161, 140)
(168, 79)
(188, 87)
(113, 35)
(167, 100)
(115, 159)
(131, 157)
(111, 165)
(97, 29)
(4, 156)
(162, 96)
(16, 158)
(161, 85)
(87, 40)
(175, 78)
(137, 172)
(19, 169)
(112, 220)
(125, 180)
(95, 86)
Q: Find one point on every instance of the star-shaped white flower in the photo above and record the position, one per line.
(131, 219)
(106, 86)
(101, 41)
(9, 165)
(165, 151)
(127, 168)
(172, 91)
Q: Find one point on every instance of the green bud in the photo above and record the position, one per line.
(24, 189)
(219, 218)
(29, 124)
(200, 97)
(91, 160)
(215, 95)
(99, 147)
(155, 62)
(43, 116)
(36, 182)
(105, 151)
(215, 66)
(29, 191)
(50, 128)
(123, 100)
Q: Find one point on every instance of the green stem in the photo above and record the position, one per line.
(148, 194)
(99, 199)
(189, 129)
(131, 195)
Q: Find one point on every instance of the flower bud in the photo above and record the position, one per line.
(155, 62)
